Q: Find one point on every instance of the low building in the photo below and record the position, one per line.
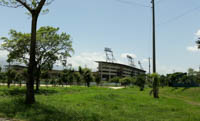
(108, 70)
(15, 67)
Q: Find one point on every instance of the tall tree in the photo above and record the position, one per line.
(125, 81)
(78, 78)
(87, 76)
(10, 74)
(51, 47)
(140, 81)
(191, 72)
(34, 8)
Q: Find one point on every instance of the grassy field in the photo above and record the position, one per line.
(102, 104)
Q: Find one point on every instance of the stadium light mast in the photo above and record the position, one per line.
(154, 36)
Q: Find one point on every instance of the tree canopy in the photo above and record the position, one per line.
(51, 47)
(30, 5)
(34, 8)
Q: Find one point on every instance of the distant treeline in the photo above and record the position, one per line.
(85, 76)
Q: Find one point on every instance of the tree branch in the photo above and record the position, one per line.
(41, 4)
(25, 5)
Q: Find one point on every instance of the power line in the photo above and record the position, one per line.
(133, 3)
(158, 1)
(180, 16)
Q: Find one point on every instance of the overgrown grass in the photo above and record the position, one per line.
(192, 94)
(99, 104)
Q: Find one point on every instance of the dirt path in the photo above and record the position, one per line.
(116, 87)
(5, 119)
(183, 99)
(42, 85)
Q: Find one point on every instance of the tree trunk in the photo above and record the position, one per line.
(155, 88)
(8, 83)
(38, 79)
(9, 80)
(46, 83)
(30, 97)
(88, 84)
(20, 83)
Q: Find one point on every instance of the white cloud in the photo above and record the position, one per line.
(145, 60)
(87, 59)
(193, 48)
(198, 33)
(162, 69)
(3, 57)
(124, 55)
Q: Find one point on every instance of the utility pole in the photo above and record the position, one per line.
(154, 36)
(155, 80)
(149, 65)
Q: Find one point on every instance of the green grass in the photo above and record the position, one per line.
(101, 104)
(192, 94)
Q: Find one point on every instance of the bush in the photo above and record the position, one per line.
(125, 81)
(140, 81)
(133, 80)
(78, 78)
(115, 80)
(97, 78)
(2, 77)
(87, 76)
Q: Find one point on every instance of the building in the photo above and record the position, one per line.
(15, 67)
(108, 70)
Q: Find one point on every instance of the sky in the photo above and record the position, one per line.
(125, 26)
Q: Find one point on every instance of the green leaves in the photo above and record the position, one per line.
(51, 47)
(17, 46)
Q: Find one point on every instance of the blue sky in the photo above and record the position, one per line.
(123, 25)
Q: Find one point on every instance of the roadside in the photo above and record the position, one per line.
(42, 85)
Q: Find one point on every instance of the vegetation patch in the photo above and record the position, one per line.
(99, 104)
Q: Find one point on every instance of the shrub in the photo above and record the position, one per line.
(125, 81)
(87, 76)
(140, 81)
(115, 80)
(97, 78)
(78, 77)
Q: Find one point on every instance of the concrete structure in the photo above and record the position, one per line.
(108, 70)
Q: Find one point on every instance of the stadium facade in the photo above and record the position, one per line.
(108, 70)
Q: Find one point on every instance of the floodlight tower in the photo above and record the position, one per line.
(109, 55)
(140, 65)
(130, 60)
